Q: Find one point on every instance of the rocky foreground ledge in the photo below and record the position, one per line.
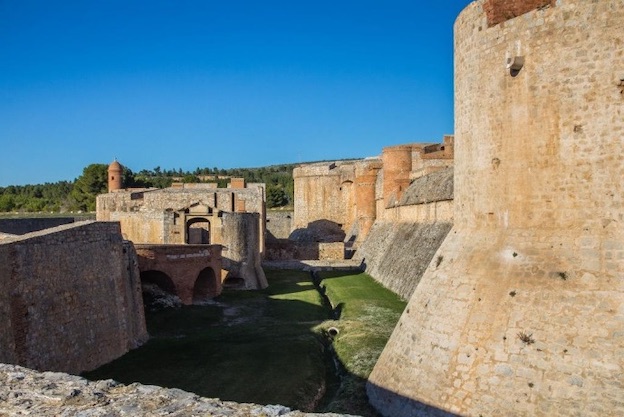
(26, 392)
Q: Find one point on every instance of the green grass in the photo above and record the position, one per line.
(247, 346)
(368, 314)
(267, 346)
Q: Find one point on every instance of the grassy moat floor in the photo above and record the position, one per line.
(270, 346)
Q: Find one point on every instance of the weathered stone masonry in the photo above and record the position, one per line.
(342, 200)
(403, 242)
(196, 214)
(524, 314)
(70, 298)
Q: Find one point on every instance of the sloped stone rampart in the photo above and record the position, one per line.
(397, 254)
(47, 394)
(436, 186)
(402, 243)
(70, 298)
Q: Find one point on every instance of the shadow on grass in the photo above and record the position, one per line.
(265, 347)
(245, 346)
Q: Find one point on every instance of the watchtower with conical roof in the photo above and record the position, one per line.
(115, 171)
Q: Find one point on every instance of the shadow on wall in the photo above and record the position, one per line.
(28, 225)
(244, 274)
(319, 231)
(391, 404)
(303, 243)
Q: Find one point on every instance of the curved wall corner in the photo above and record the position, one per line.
(522, 315)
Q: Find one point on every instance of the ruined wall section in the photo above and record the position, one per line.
(71, 298)
(523, 315)
(402, 244)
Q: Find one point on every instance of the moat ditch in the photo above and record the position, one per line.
(273, 346)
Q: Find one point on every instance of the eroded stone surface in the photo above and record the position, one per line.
(27, 392)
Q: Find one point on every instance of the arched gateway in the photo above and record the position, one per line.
(192, 272)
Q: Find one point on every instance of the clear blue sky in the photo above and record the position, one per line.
(228, 83)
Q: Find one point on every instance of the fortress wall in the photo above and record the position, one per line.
(279, 224)
(324, 192)
(7, 339)
(221, 198)
(146, 226)
(401, 245)
(23, 226)
(396, 254)
(438, 211)
(524, 314)
(122, 200)
(72, 298)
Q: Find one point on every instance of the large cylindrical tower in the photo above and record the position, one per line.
(397, 165)
(521, 311)
(365, 179)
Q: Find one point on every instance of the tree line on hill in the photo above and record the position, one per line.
(79, 195)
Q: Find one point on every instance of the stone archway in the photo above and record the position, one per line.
(159, 278)
(198, 231)
(205, 286)
(159, 290)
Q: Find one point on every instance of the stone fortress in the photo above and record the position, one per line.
(71, 298)
(228, 223)
(378, 210)
(507, 239)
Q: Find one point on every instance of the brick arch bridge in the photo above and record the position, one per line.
(192, 272)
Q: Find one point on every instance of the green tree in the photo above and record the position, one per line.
(93, 181)
(7, 202)
(189, 178)
(276, 197)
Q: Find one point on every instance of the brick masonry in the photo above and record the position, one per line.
(524, 314)
(70, 298)
(498, 11)
(194, 271)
